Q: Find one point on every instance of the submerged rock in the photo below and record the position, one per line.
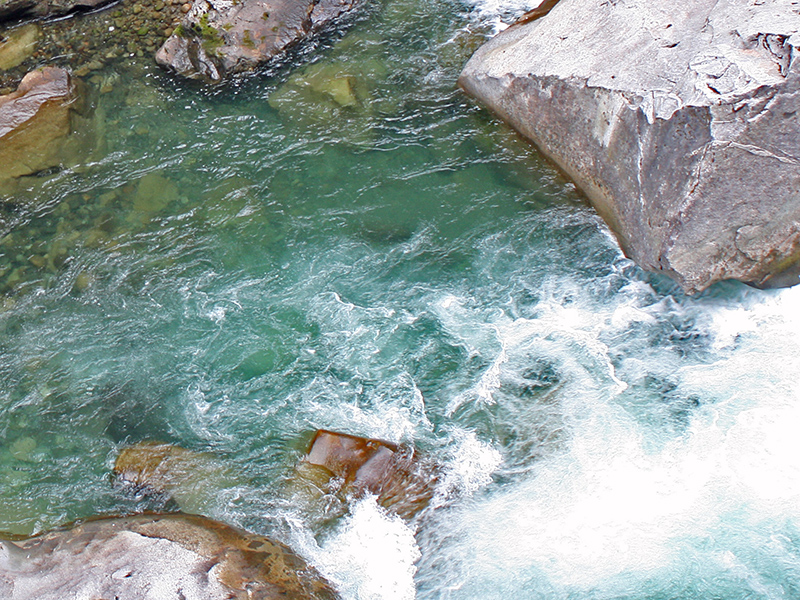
(354, 466)
(39, 123)
(219, 37)
(679, 122)
(17, 45)
(192, 479)
(155, 557)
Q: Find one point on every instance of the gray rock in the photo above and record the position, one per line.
(155, 557)
(679, 121)
(220, 37)
(11, 10)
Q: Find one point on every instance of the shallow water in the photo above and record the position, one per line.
(231, 270)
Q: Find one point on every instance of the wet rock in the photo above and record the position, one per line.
(17, 45)
(192, 479)
(218, 38)
(355, 466)
(38, 124)
(678, 122)
(155, 557)
(26, 9)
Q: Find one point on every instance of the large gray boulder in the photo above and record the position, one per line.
(679, 120)
(155, 557)
(221, 37)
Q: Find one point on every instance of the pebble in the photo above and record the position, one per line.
(82, 281)
(137, 9)
(38, 261)
(186, 8)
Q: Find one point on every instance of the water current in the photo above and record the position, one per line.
(234, 268)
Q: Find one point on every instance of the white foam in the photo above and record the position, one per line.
(469, 465)
(611, 508)
(371, 556)
(499, 14)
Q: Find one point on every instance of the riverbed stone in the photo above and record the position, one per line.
(219, 38)
(38, 124)
(678, 121)
(155, 557)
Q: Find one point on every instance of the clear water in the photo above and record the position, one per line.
(232, 270)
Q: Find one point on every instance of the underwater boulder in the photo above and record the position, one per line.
(218, 38)
(678, 121)
(155, 557)
(354, 466)
(192, 479)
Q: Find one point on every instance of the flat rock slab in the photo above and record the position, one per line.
(37, 123)
(219, 37)
(680, 122)
(155, 557)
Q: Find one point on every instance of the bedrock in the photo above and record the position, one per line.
(679, 121)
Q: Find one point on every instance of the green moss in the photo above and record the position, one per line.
(247, 41)
(180, 31)
(210, 34)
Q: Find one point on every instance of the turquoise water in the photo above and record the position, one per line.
(232, 269)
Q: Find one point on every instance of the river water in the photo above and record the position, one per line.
(232, 269)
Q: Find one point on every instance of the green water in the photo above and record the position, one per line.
(232, 269)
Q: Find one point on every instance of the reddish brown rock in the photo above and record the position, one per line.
(155, 557)
(355, 466)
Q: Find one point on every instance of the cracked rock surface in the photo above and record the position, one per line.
(155, 557)
(680, 122)
(222, 37)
